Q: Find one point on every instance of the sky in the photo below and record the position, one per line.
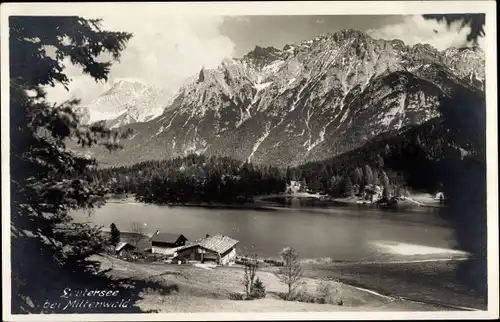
(166, 51)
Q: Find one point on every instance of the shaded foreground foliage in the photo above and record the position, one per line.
(50, 252)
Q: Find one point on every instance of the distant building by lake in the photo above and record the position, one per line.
(295, 186)
(439, 196)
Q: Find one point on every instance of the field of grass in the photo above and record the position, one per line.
(195, 289)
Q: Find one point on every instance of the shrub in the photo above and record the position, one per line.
(302, 296)
(236, 296)
(114, 235)
(273, 262)
(327, 294)
(258, 290)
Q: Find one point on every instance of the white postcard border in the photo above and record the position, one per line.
(265, 8)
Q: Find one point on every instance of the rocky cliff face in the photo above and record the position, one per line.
(304, 102)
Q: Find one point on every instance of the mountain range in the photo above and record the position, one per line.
(284, 107)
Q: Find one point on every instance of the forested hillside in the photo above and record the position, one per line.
(195, 178)
(425, 157)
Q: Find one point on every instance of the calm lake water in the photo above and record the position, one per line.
(339, 233)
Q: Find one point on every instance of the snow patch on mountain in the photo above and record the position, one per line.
(160, 130)
(261, 139)
(262, 86)
(128, 101)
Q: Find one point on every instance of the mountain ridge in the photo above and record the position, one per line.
(304, 102)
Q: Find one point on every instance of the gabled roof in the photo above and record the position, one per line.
(166, 237)
(121, 245)
(217, 243)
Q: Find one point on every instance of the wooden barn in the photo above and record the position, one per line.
(217, 249)
(166, 243)
(124, 249)
(141, 240)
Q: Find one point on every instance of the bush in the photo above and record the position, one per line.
(327, 294)
(273, 262)
(258, 290)
(236, 296)
(302, 296)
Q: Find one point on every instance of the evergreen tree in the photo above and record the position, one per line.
(48, 180)
(115, 235)
(376, 176)
(332, 184)
(258, 289)
(289, 175)
(368, 175)
(379, 161)
(357, 176)
(385, 185)
(348, 187)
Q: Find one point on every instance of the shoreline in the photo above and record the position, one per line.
(250, 206)
(406, 203)
(259, 204)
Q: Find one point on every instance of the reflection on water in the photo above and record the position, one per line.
(341, 233)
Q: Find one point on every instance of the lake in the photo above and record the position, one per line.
(343, 233)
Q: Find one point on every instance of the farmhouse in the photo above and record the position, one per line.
(124, 248)
(166, 243)
(219, 249)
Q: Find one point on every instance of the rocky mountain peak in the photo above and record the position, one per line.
(262, 56)
(263, 52)
(127, 84)
(348, 34)
(127, 101)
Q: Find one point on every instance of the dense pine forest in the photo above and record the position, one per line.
(194, 178)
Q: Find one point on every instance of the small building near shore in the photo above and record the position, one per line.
(217, 249)
(294, 187)
(439, 196)
(124, 249)
(166, 243)
(373, 193)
